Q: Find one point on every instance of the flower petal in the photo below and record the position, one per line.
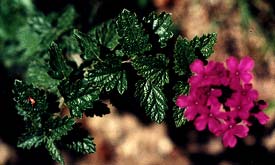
(262, 117)
(246, 64)
(214, 126)
(197, 66)
(240, 131)
(229, 140)
(200, 122)
(246, 77)
(190, 113)
(232, 63)
(182, 101)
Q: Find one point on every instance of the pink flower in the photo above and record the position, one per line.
(248, 93)
(194, 105)
(232, 131)
(219, 75)
(238, 106)
(212, 73)
(182, 101)
(240, 70)
(211, 118)
(222, 99)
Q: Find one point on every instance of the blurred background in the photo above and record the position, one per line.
(244, 27)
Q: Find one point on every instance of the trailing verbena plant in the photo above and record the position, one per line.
(71, 73)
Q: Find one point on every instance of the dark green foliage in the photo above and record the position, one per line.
(162, 25)
(127, 49)
(42, 127)
(153, 99)
(79, 140)
(133, 40)
(37, 74)
(178, 117)
(108, 77)
(54, 152)
(84, 146)
(31, 140)
(106, 35)
(187, 51)
(180, 88)
(205, 44)
(79, 96)
(153, 69)
(59, 69)
(31, 102)
(183, 56)
(88, 45)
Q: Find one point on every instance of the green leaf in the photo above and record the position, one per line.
(106, 35)
(59, 127)
(30, 140)
(185, 52)
(122, 83)
(133, 40)
(152, 99)
(79, 96)
(59, 68)
(109, 77)
(37, 75)
(180, 88)
(178, 116)
(70, 44)
(184, 55)
(162, 26)
(79, 140)
(205, 44)
(153, 69)
(84, 145)
(88, 45)
(31, 102)
(54, 152)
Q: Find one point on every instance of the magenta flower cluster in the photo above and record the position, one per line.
(222, 99)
